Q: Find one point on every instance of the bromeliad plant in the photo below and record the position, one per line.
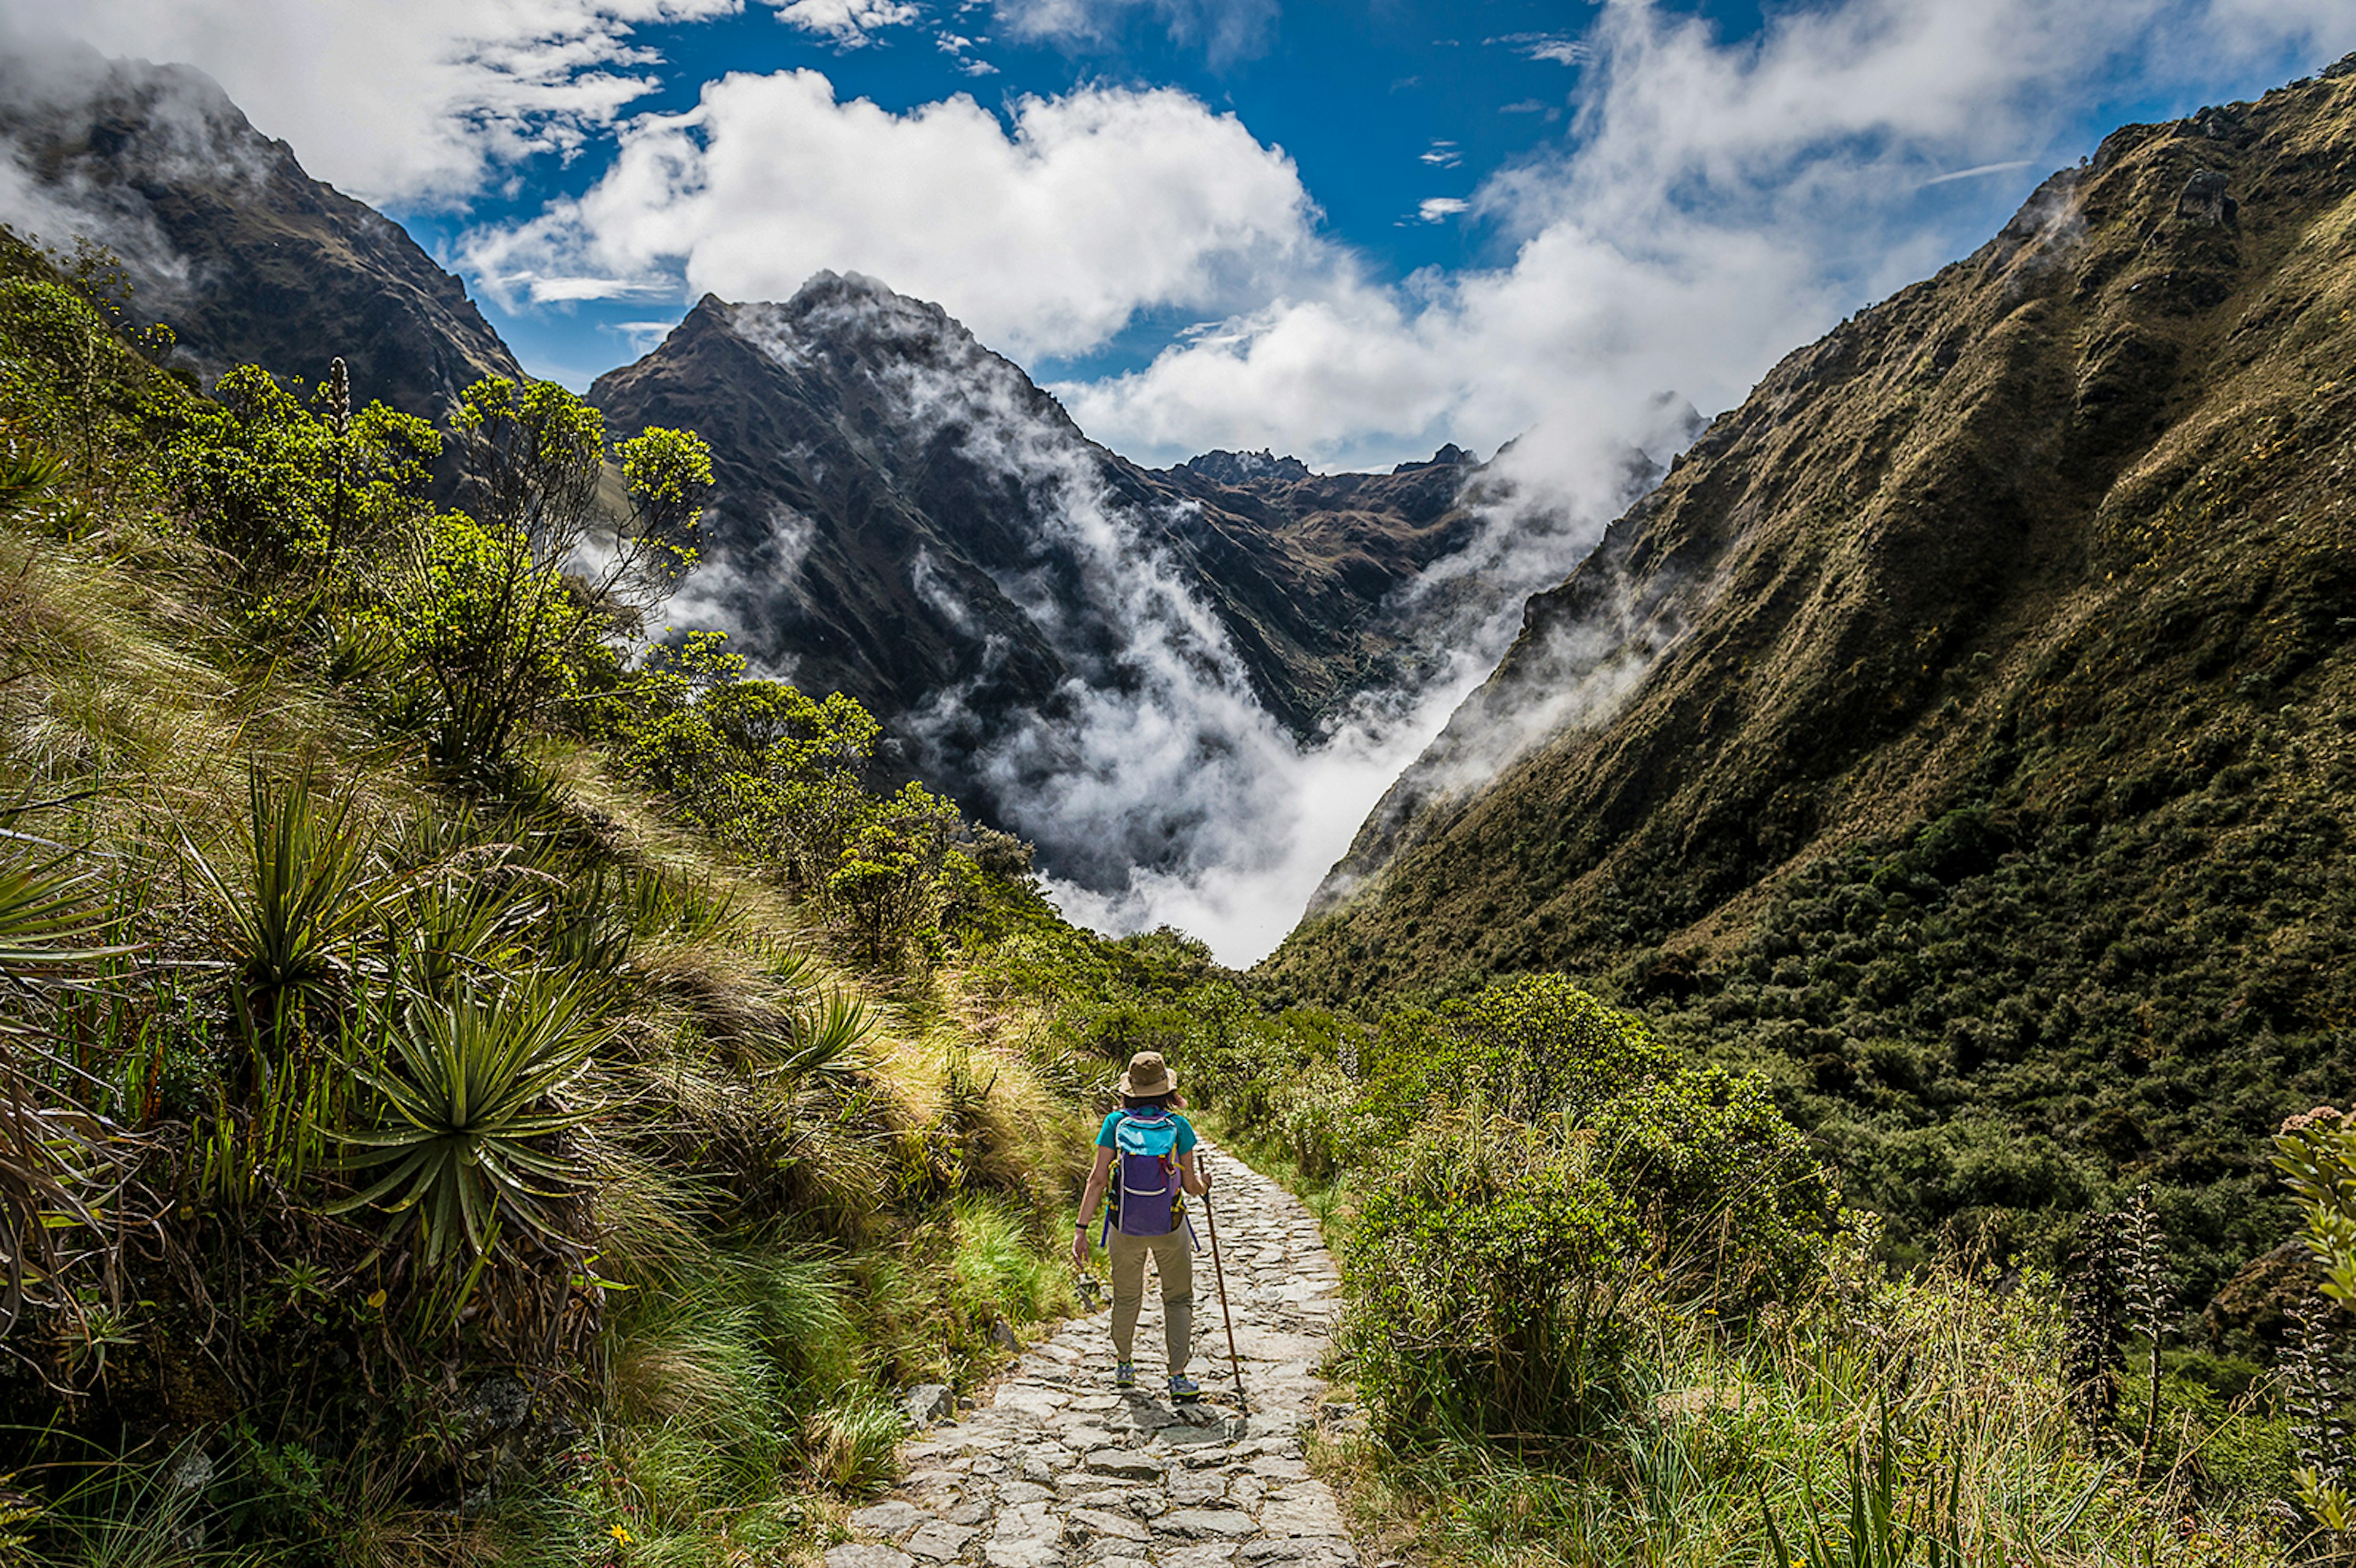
(294, 929)
(466, 1145)
(297, 933)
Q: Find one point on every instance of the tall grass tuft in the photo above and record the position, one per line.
(853, 1444)
(1001, 1270)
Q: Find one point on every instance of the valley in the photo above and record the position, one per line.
(549, 1019)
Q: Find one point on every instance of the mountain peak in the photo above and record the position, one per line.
(245, 255)
(1225, 467)
(1448, 456)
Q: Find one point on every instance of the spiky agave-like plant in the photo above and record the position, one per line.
(827, 1034)
(292, 930)
(27, 472)
(469, 1090)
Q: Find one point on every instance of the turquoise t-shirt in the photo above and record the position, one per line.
(1185, 1131)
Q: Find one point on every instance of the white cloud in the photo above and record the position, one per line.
(847, 22)
(1224, 29)
(418, 102)
(960, 47)
(1560, 47)
(1713, 205)
(1043, 237)
(1432, 209)
(1972, 173)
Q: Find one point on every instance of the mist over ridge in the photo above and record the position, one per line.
(1186, 685)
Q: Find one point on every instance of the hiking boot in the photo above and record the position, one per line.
(1125, 1375)
(1183, 1389)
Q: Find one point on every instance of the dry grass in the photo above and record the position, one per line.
(1775, 1417)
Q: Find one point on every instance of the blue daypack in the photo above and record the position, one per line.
(1145, 1173)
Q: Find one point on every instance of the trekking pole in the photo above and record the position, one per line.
(1219, 1272)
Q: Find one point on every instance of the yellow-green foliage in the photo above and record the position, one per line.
(740, 1189)
(1786, 1420)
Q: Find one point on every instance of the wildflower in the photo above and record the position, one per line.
(621, 1537)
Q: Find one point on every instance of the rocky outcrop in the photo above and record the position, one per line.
(225, 237)
(1448, 456)
(1244, 467)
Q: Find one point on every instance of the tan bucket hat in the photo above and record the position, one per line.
(1148, 1076)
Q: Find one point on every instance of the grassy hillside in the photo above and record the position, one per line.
(418, 1146)
(1961, 732)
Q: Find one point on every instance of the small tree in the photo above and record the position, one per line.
(277, 487)
(501, 610)
(889, 880)
(764, 767)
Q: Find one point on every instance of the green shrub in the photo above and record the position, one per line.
(1534, 1158)
(1487, 1271)
(1727, 1186)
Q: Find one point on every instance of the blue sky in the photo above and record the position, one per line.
(1381, 109)
(1382, 106)
(1349, 228)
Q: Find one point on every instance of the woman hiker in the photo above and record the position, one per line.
(1151, 1150)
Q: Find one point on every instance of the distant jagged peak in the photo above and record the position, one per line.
(1448, 456)
(901, 371)
(1225, 467)
(922, 369)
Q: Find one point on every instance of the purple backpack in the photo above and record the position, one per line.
(1145, 1173)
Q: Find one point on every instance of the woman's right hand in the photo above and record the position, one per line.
(1080, 1248)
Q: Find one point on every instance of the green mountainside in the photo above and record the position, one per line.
(1964, 730)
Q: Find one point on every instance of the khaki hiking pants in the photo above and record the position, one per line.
(1173, 1259)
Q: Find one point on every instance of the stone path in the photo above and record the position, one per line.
(1061, 1470)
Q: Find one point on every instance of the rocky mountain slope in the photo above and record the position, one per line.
(1964, 727)
(904, 516)
(224, 236)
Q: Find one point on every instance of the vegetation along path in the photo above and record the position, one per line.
(1061, 1469)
